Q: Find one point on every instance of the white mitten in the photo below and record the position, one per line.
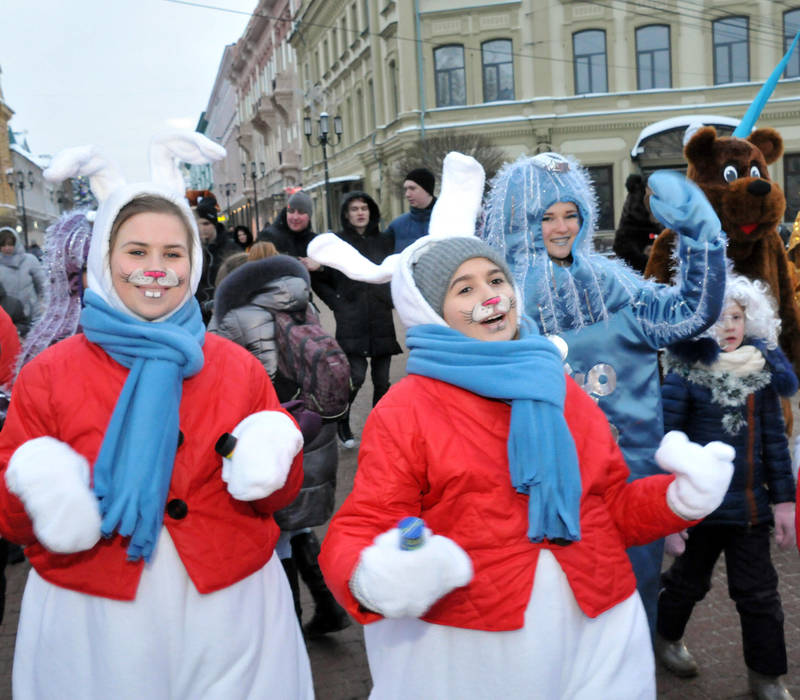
(52, 481)
(267, 442)
(702, 474)
(675, 544)
(402, 583)
(785, 535)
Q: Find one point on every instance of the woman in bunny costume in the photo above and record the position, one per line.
(521, 587)
(147, 547)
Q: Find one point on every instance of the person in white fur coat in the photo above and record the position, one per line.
(520, 586)
(154, 574)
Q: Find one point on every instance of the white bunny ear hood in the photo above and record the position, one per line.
(454, 214)
(113, 193)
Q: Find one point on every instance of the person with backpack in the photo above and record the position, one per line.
(364, 321)
(263, 306)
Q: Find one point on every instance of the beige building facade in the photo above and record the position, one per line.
(268, 110)
(613, 84)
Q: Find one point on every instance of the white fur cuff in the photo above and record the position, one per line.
(267, 443)
(51, 479)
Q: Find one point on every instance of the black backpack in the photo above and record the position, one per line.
(311, 358)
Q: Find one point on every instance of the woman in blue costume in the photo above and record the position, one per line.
(541, 213)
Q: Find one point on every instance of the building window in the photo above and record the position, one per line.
(395, 89)
(451, 87)
(791, 25)
(791, 185)
(359, 107)
(604, 187)
(653, 69)
(731, 59)
(371, 112)
(498, 70)
(589, 51)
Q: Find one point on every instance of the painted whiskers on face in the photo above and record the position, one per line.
(490, 310)
(480, 302)
(150, 264)
(162, 278)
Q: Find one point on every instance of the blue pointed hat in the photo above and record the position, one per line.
(754, 111)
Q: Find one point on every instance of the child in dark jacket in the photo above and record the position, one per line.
(728, 388)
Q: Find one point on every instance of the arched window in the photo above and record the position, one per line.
(653, 64)
(498, 70)
(451, 84)
(791, 25)
(731, 54)
(589, 54)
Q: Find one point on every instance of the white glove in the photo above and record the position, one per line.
(702, 474)
(267, 443)
(675, 544)
(400, 583)
(52, 481)
(783, 513)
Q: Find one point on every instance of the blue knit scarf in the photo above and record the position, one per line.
(527, 372)
(134, 468)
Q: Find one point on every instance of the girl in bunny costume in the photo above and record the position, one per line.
(147, 547)
(521, 588)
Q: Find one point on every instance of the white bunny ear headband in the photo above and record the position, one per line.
(454, 214)
(167, 150)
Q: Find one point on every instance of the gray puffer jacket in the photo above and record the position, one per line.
(22, 276)
(243, 312)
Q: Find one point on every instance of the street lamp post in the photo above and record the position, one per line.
(230, 187)
(323, 139)
(20, 187)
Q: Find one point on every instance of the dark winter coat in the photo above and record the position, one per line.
(363, 311)
(762, 468)
(410, 226)
(295, 243)
(243, 310)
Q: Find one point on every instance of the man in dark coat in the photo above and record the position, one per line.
(216, 247)
(291, 233)
(418, 189)
(364, 322)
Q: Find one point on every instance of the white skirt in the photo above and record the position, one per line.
(170, 643)
(559, 653)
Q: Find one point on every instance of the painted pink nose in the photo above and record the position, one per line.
(491, 302)
(155, 274)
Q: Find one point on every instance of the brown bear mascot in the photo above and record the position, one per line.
(732, 172)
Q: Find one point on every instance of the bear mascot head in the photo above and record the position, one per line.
(732, 172)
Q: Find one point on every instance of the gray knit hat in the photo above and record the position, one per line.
(301, 202)
(438, 263)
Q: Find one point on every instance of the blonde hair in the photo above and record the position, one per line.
(760, 310)
(261, 249)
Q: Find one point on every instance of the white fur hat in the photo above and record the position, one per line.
(113, 193)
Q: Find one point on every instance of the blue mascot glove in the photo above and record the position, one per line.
(680, 204)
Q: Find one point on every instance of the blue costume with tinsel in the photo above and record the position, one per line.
(613, 321)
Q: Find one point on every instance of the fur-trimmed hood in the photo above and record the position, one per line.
(690, 355)
(242, 285)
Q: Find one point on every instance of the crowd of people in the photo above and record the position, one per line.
(560, 420)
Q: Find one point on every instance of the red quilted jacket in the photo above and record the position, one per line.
(439, 452)
(69, 392)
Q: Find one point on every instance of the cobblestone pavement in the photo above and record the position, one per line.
(339, 663)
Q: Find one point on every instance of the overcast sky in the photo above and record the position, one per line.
(112, 72)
